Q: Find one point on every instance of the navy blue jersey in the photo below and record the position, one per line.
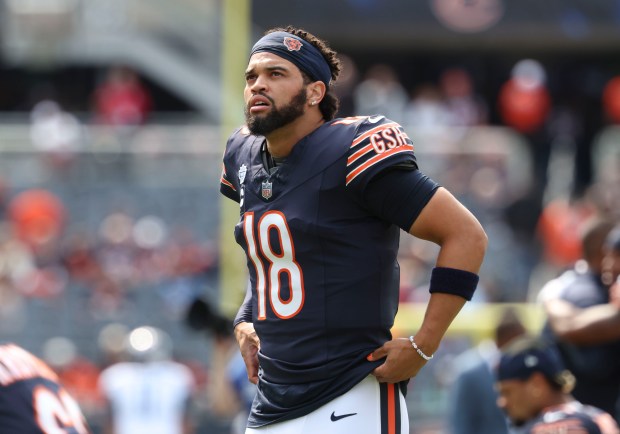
(322, 264)
(31, 400)
(572, 417)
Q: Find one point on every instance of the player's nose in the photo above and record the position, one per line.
(259, 84)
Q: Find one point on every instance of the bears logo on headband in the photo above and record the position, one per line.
(292, 44)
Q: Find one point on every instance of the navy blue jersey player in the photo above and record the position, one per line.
(31, 399)
(322, 202)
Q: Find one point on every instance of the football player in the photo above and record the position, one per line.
(31, 399)
(322, 202)
(535, 392)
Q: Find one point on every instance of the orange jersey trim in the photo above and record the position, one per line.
(227, 183)
(224, 181)
(376, 159)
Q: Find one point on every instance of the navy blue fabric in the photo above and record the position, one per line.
(572, 416)
(294, 49)
(244, 314)
(453, 281)
(400, 195)
(346, 254)
(520, 366)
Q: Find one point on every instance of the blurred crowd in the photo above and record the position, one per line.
(567, 138)
(534, 226)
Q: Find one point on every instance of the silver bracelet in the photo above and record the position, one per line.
(419, 351)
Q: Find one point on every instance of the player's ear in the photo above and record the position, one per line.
(315, 92)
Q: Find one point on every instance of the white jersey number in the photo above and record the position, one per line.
(271, 263)
(55, 411)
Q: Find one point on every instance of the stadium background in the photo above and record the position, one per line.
(142, 200)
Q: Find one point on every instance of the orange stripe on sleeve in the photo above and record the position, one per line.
(358, 154)
(225, 182)
(354, 173)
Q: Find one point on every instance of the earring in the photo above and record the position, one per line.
(313, 103)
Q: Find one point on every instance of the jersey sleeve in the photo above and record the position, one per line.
(244, 314)
(227, 188)
(379, 143)
(399, 195)
(573, 423)
(575, 417)
(382, 172)
(228, 182)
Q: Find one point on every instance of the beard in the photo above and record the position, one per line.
(277, 117)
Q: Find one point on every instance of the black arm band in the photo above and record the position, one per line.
(453, 281)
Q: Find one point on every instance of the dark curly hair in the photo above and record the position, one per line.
(330, 103)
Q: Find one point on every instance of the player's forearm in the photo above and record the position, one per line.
(242, 330)
(249, 345)
(440, 312)
(590, 326)
(598, 324)
(560, 315)
(462, 252)
(462, 249)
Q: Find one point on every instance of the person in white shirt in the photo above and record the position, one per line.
(150, 393)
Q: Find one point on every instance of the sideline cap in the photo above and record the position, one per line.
(527, 355)
(298, 51)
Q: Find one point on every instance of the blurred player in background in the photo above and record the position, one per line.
(534, 390)
(31, 399)
(150, 393)
(472, 398)
(322, 202)
(583, 319)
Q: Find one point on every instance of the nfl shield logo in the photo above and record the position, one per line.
(242, 171)
(266, 191)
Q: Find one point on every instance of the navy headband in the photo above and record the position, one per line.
(298, 51)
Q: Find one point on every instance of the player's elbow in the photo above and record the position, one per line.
(464, 248)
(481, 239)
(476, 240)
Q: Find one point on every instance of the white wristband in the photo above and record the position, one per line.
(419, 351)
